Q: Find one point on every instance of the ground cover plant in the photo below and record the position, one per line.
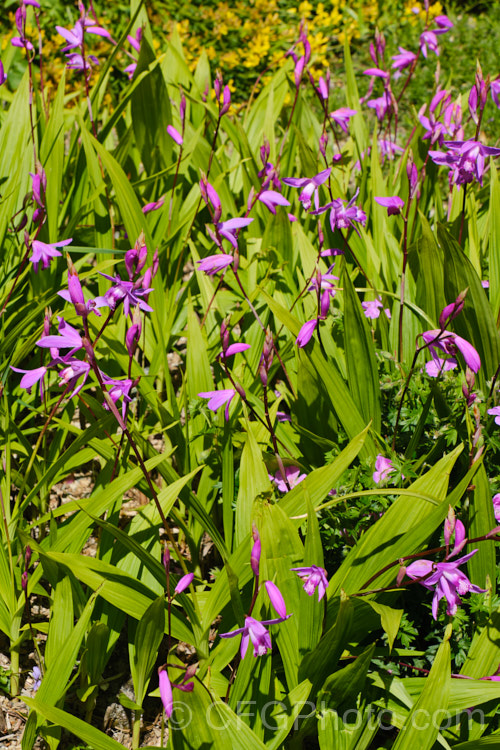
(263, 337)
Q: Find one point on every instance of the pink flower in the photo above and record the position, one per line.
(496, 506)
(314, 578)
(450, 343)
(496, 413)
(43, 252)
(449, 582)
(394, 204)
(383, 468)
(271, 199)
(216, 399)
(293, 476)
(308, 186)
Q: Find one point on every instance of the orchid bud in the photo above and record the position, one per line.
(473, 104)
(165, 692)
(324, 304)
(134, 333)
(24, 581)
(224, 335)
(166, 558)
(323, 89)
(299, 68)
(182, 108)
(27, 556)
(276, 598)
(460, 538)
(75, 290)
(452, 310)
(218, 85)
(373, 53)
(226, 101)
(46, 321)
(323, 142)
(401, 575)
(265, 151)
(183, 583)
(380, 43)
(449, 526)
(412, 172)
(256, 551)
(240, 390)
(268, 349)
(251, 196)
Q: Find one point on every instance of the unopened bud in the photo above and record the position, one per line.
(449, 526)
(401, 575)
(27, 556)
(166, 558)
(24, 581)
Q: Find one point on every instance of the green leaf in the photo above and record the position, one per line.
(390, 618)
(362, 370)
(341, 399)
(81, 729)
(435, 695)
(482, 567)
(144, 650)
(476, 322)
(254, 481)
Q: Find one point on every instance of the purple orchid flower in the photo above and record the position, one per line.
(449, 582)
(496, 507)
(466, 159)
(309, 187)
(393, 204)
(293, 477)
(229, 228)
(314, 578)
(68, 338)
(381, 105)
(443, 24)
(71, 374)
(118, 389)
(343, 216)
(130, 292)
(218, 399)
(3, 77)
(31, 377)
(373, 307)
(342, 116)
(450, 343)
(255, 631)
(43, 252)
(404, 59)
(495, 412)
(435, 366)
(429, 42)
(21, 41)
(214, 263)
(271, 199)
